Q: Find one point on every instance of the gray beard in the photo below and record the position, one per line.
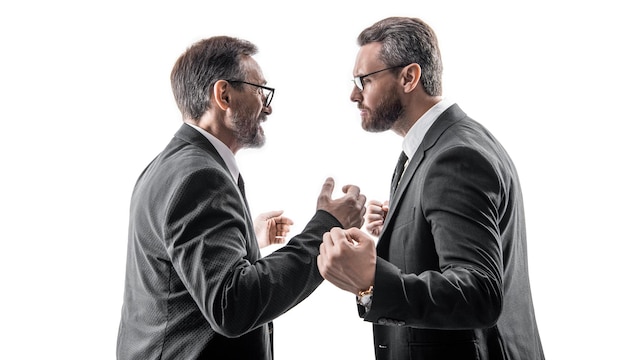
(247, 131)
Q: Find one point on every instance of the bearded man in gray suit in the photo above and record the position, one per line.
(196, 284)
(448, 278)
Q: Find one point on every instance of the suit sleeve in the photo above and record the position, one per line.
(460, 202)
(206, 234)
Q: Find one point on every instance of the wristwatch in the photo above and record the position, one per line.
(365, 297)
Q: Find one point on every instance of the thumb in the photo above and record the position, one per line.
(271, 214)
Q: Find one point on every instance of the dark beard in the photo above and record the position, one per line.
(385, 115)
(247, 130)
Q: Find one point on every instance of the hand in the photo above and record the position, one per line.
(348, 259)
(348, 209)
(271, 228)
(375, 216)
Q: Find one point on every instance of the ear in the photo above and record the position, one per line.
(411, 77)
(221, 94)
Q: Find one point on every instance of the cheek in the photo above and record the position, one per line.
(247, 110)
(370, 101)
(372, 94)
(252, 108)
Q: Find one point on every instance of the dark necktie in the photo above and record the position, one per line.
(397, 174)
(242, 188)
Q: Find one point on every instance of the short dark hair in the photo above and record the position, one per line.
(201, 66)
(406, 41)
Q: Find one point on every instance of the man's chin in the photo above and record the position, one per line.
(367, 126)
(257, 142)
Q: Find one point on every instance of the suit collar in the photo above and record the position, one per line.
(192, 136)
(225, 153)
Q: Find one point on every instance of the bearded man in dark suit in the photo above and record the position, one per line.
(196, 284)
(448, 278)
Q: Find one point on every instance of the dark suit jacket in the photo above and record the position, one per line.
(452, 274)
(196, 286)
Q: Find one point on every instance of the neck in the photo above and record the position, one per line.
(413, 112)
(220, 132)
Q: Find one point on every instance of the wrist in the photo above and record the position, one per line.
(364, 297)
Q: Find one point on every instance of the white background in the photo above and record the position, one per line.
(86, 104)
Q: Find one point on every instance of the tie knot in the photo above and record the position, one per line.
(240, 183)
(403, 158)
(401, 162)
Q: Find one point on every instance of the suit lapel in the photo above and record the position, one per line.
(443, 122)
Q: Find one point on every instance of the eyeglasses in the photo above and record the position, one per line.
(267, 92)
(358, 80)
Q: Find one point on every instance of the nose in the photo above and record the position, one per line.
(267, 110)
(355, 95)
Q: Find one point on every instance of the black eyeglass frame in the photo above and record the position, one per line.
(358, 80)
(268, 97)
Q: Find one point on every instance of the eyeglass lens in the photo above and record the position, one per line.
(267, 95)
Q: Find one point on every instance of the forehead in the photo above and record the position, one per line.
(367, 59)
(253, 69)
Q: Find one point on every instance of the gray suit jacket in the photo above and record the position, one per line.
(196, 286)
(452, 274)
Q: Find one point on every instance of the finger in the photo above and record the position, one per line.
(361, 199)
(370, 225)
(327, 240)
(373, 216)
(356, 235)
(323, 250)
(285, 221)
(375, 203)
(339, 236)
(351, 190)
(328, 187)
(282, 232)
(374, 207)
(374, 230)
(278, 240)
(370, 221)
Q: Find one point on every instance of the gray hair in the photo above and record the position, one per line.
(406, 41)
(201, 66)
